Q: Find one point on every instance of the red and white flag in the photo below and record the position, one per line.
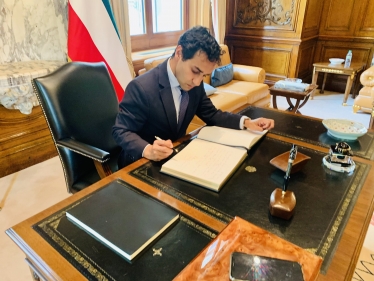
(93, 37)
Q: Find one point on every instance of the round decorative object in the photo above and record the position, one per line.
(343, 129)
(337, 167)
(336, 61)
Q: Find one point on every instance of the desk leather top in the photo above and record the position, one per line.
(310, 130)
(324, 198)
(179, 245)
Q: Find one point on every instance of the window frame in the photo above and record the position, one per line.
(152, 40)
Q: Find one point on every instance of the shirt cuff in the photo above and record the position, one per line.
(144, 150)
(242, 120)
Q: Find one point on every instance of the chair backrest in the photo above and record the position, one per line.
(79, 102)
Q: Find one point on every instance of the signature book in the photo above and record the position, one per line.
(210, 159)
(125, 220)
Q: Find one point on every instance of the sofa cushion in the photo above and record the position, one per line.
(222, 75)
(253, 91)
(366, 91)
(209, 89)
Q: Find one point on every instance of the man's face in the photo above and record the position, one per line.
(191, 72)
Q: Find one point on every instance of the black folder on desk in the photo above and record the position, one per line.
(162, 261)
(123, 219)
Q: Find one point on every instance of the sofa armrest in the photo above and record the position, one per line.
(367, 77)
(141, 71)
(249, 73)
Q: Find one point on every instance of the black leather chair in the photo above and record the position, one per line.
(80, 105)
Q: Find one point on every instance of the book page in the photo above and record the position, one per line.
(205, 163)
(241, 138)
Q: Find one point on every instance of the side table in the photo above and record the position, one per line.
(326, 68)
(299, 96)
(16, 91)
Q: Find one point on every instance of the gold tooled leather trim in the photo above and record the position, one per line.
(70, 248)
(198, 227)
(141, 172)
(340, 217)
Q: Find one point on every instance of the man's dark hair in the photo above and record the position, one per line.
(197, 39)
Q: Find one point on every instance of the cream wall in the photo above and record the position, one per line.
(33, 30)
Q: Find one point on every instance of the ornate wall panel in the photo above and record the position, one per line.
(272, 14)
(272, 17)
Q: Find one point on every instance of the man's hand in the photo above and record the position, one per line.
(259, 124)
(160, 149)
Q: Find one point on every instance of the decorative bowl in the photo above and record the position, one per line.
(297, 80)
(336, 61)
(343, 129)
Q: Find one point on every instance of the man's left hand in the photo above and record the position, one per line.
(259, 124)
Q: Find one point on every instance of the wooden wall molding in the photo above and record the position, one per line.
(338, 19)
(365, 26)
(314, 32)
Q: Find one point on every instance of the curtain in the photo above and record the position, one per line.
(121, 15)
(219, 19)
(199, 13)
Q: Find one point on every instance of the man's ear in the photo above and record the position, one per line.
(178, 52)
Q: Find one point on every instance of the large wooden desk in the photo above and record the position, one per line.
(49, 263)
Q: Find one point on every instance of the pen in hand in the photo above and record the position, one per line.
(158, 138)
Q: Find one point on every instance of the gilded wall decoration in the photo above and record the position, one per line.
(252, 12)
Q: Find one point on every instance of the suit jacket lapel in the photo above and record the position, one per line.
(167, 97)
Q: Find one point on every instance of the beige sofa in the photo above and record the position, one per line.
(247, 87)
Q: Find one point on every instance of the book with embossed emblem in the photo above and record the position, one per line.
(125, 220)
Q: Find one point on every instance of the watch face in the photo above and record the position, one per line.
(258, 268)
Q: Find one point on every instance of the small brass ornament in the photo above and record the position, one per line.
(157, 252)
(250, 169)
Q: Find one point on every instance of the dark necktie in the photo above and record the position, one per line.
(182, 107)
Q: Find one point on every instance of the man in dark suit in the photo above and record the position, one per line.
(163, 101)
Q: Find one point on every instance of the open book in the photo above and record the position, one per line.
(211, 158)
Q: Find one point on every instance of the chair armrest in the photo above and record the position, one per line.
(367, 77)
(84, 149)
(249, 73)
